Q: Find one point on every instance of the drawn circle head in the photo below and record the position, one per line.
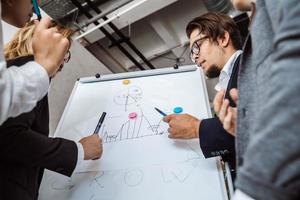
(128, 96)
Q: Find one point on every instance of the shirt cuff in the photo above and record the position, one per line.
(239, 195)
(80, 156)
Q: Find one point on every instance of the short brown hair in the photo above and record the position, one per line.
(214, 25)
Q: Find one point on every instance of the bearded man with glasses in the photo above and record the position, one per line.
(214, 42)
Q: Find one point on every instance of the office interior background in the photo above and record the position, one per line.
(124, 36)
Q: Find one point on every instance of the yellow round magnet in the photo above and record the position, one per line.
(126, 82)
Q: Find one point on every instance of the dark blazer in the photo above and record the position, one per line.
(26, 149)
(214, 139)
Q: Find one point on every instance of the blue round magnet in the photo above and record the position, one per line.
(178, 110)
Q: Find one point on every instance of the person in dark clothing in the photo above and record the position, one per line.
(25, 148)
(20, 176)
(214, 42)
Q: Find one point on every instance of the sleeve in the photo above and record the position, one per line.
(272, 158)
(214, 139)
(26, 147)
(21, 88)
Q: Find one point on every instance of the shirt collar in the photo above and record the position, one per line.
(226, 71)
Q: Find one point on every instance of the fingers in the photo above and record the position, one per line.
(234, 95)
(182, 126)
(175, 136)
(172, 133)
(44, 24)
(98, 140)
(49, 46)
(64, 42)
(168, 118)
(92, 146)
(53, 30)
(172, 136)
(98, 147)
(227, 121)
(94, 136)
(170, 130)
(218, 101)
(36, 23)
(224, 110)
(234, 115)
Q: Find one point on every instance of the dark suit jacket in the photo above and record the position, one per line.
(214, 139)
(26, 149)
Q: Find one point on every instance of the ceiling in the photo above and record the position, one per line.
(62, 8)
(142, 34)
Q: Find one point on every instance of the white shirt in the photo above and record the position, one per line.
(21, 88)
(226, 72)
(80, 156)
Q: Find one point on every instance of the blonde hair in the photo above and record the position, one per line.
(21, 44)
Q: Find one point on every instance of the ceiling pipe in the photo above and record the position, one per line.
(59, 9)
(108, 20)
(108, 35)
(121, 35)
(99, 16)
(85, 6)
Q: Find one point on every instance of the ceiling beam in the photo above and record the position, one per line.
(166, 33)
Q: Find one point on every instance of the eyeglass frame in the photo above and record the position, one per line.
(67, 59)
(198, 46)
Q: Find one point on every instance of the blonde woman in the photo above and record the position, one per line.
(21, 44)
(25, 148)
(16, 94)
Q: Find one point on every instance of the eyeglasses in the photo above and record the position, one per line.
(195, 49)
(67, 57)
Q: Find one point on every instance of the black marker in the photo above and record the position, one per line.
(100, 122)
(160, 112)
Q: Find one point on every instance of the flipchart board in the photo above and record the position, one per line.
(139, 161)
